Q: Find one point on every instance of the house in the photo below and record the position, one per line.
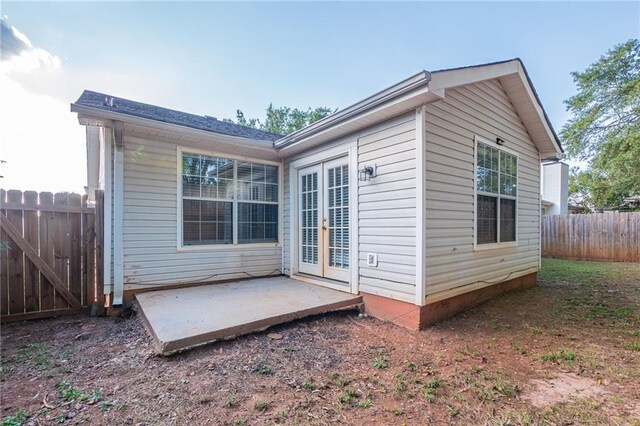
(555, 188)
(424, 197)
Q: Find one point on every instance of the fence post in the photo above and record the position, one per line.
(99, 253)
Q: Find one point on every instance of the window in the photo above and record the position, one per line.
(496, 199)
(227, 201)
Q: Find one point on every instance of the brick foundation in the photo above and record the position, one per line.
(413, 317)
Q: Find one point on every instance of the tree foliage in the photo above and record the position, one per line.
(283, 120)
(604, 130)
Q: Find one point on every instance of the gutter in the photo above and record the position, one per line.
(416, 81)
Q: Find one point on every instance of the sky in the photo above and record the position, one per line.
(213, 58)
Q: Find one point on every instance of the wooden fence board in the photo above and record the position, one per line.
(4, 261)
(16, 285)
(59, 239)
(73, 246)
(31, 271)
(609, 237)
(48, 255)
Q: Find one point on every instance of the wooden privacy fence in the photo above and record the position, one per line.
(609, 237)
(50, 257)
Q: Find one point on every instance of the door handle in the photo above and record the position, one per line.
(324, 223)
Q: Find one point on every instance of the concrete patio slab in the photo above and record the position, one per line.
(183, 318)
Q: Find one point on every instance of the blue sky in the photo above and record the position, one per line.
(211, 58)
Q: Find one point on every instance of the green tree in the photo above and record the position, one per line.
(283, 120)
(604, 130)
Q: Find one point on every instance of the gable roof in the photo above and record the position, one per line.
(517, 83)
(426, 87)
(102, 102)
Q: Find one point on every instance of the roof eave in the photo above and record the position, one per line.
(98, 117)
(412, 83)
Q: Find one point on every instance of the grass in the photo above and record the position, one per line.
(381, 362)
(17, 419)
(562, 355)
(264, 369)
(69, 393)
(230, 402)
(633, 346)
(36, 355)
(308, 385)
(261, 406)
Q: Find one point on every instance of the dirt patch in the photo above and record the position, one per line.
(562, 389)
(478, 368)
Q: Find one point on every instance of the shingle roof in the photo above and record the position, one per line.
(165, 115)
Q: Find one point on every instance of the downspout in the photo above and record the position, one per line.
(106, 135)
(118, 213)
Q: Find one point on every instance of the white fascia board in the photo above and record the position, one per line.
(390, 109)
(416, 81)
(541, 114)
(459, 77)
(97, 117)
(446, 79)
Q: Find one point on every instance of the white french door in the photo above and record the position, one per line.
(323, 245)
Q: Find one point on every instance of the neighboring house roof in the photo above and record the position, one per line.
(102, 102)
(426, 87)
(546, 203)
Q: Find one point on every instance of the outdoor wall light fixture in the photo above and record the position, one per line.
(366, 173)
(500, 141)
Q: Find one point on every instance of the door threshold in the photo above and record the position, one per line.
(325, 282)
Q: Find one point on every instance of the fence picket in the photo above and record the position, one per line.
(610, 236)
(45, 237)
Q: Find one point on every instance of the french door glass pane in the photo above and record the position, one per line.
(338, 224)
(309, 229)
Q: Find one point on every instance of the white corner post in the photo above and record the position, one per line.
(354, 229)
(118, 213)
(421, 200)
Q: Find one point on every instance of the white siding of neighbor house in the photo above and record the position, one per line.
(150, 227)
(386, 207)
(555, 187)
(481, 109)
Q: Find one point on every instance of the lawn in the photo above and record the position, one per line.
(564, 352)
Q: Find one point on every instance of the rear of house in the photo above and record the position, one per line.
(423, 198)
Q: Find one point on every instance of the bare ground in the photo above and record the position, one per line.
(564, 352)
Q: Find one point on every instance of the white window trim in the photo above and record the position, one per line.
(490, 246)
(235, 246)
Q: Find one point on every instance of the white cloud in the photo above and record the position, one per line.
(41, 142)
(19, 55)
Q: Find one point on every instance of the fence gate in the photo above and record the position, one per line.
(50, 256)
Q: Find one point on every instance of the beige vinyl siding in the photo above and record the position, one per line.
(286, 221)
(387, 209)
(481, 109)
(150, 226)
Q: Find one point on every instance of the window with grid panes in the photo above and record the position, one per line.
(214, 188)
(496, 195)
